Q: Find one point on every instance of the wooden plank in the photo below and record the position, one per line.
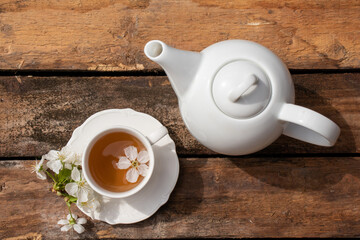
(40, 113)
(110, 35)
(237, 197)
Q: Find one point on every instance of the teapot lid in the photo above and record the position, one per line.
(241, 89)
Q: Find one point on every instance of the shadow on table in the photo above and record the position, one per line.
(307, 171)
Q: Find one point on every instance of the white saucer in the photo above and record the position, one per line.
(157, 191)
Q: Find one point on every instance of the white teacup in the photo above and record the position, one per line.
(147, 141)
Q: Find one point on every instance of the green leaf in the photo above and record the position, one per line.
(64, 175)
(72, 199)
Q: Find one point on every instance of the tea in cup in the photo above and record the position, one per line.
(119, 161)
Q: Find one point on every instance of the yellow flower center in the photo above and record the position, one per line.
(134, 164)
(61, 157)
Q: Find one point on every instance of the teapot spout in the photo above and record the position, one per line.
(180, 66)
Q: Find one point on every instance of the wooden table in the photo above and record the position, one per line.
(62, 61)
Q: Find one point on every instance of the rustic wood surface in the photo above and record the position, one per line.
(40, 113)
(110, 35)
(264, 197)
(87, 56)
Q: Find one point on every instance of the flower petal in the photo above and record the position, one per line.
(41, 164)
(65, 154)
(75, 174)
(143, 156)
(36, 167)
(87, 187)
(68, 217)
(81, 221)
(78, 228)
(52, 155)
(132, 175)
(63, 222)
(55, 166)
(68, 166)
(72, 158)
(131, 153)
(72, 189)
(82, 195)
(82, 205)
(65, 151)
(41, 175)
(66, 228)
(91, 205)
(123, 163)
(77, 159)
(69, 158)
(143, 169)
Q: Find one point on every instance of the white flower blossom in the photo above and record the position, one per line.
(76, 185)
(59, 159)
(75, 159)
(72, 222)
(39, 169)
(54, 162)
(80, 188)
(91, 205)
(136, 161)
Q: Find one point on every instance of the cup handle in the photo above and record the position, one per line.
(308, 126)
(157, 135)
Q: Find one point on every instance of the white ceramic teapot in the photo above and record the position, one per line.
(236, 97)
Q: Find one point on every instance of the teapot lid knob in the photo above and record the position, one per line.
(241, 89)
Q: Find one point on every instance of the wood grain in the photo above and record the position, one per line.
(40, 113)
(214, 197)
(110, 35)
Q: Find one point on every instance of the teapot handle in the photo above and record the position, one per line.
(308, 126)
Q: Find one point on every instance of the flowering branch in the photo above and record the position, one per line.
(64, 168)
